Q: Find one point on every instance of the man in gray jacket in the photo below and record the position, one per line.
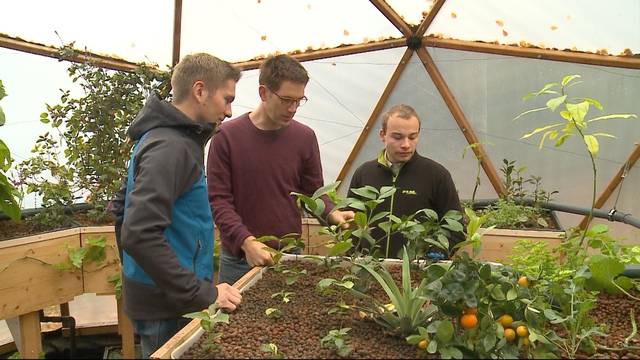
(166, 232)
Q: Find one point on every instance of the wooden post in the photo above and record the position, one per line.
(30, 336)
(125, 328)
(461, 120)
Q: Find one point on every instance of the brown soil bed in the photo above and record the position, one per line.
(614, 312)
(10, 229)
(304, 322)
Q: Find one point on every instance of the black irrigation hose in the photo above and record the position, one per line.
(611, 215)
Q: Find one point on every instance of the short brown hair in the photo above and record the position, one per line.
(200, 67)
(279, 68)
(403, 111)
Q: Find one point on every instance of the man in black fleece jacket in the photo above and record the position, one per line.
(421, 183)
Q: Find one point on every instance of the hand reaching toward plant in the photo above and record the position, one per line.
(228, 297)
(256, 252)
(338, 217)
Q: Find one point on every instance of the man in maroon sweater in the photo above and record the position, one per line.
(255, 162)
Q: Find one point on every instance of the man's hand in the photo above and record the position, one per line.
(228, 297)
(256, 253)
(337, 217)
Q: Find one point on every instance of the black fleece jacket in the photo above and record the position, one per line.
(421, 184)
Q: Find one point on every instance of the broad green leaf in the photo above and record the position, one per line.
(512, 294)
(593, 102)
(592, 144)
(445, 331)
(324, 283)
(202, 315)
(528, 112)
(320, 206)
(539, 130)
(386, 191)
(485, 272)
(567, 79)
(325, 189)
(578, 111)
(545, 90)
(555, 102)
(3, 93)
(366, 192)
(613, 116)
(565, 115)
(2, 117)
(340, 248)
(489, 341)
(599, 229)
(497, 293)
(453, 225)
(562, 139)
(432, 347)
(604, 270)
(360, 219)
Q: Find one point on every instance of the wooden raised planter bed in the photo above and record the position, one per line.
(496, 243)
(29, 281)
(188, 336)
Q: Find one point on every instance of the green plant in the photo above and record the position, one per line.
(93, 251)
(116, 281)
(272, 350)
(8, 203)
(284, 244)
(292, 275)
(207, 320)
(411, 308)
(573, 112)
(337, 340)
(85, 152)
(273, 313)
(532, 258)
(479, 163)
(508, 212)
(285, 295)
(470, 296)
(330, 286)
(574, 318)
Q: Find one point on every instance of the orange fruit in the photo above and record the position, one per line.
(470, 311)
(523, 281)
(522, 331)
(468, 321)
(423, 344)
(505, 320)
(525, 341)
(509, 334)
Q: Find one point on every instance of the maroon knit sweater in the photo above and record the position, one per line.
(250, 175)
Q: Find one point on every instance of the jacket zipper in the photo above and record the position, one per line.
(393, 183)
(195, 257)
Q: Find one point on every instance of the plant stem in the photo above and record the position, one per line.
(634, 328)
(593, 196)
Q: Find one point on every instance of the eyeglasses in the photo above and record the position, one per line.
(286, 101)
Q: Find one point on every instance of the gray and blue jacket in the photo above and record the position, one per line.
(163, 219)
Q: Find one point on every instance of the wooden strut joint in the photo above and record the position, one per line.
(329, 53)
(52, 52)
(614, 182)
(461, 120)
(422, 29)
(535, 53)
(375, 114)
(393, 17)
(177, 31)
